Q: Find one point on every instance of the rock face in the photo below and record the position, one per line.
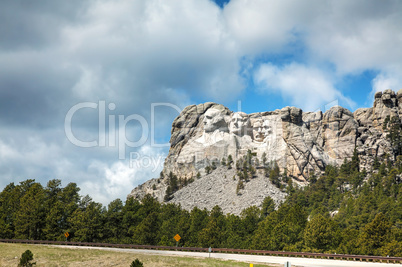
(302, 143)
(219, 188)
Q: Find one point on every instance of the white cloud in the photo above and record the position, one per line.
(353, 35)
(262, 26)
(131, 53)
(180, 44)
(357, 35)
(390, 79)
(306, 87)
(384, 81)
(134, 53)
(116, 180)
(98, 172)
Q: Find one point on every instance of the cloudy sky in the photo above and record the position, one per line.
(86, 84)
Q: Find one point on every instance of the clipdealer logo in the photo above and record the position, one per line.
(116, 135)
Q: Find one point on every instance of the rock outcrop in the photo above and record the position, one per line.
(302, 143)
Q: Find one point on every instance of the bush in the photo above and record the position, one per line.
(208, 169)
(136, 263)
(26, 259)
(239, 187)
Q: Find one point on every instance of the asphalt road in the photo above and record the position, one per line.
(307, 262)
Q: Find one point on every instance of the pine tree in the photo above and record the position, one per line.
(208, 169)
(168, 194)
(113, 221)
(393, 126)
(147, 230)
(355, 164)
(87, 221)
(240, 186)
(136, 263)
(376, 163)
(54, 210)
(268, 206)
(375, 234)
(26, 259)
(9, 205)
(213, 165)
(230, 161)
(322, 234)
(198, 221)
(252, 171)
(31, 214)
(264, 159)
(274, 174)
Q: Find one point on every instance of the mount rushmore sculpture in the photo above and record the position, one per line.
(300, 143)
(296, 141)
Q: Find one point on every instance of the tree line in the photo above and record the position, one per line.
(339, 212)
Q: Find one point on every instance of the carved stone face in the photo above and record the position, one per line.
(214, 120)
(239, 123)
(267, 128)
(258, 134)
(261, 129)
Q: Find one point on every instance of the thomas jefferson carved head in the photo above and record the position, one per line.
(239, 124)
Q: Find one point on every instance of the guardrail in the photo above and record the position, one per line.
(219, 250)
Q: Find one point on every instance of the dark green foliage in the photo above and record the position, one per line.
(198, 221)
(26, 259)
(250, 218)
(147, 231)
(229, 161)
(312, 179)
(281, 230)
(213, 166)
(345, 167)
(252, 171)
(174, 184)
(375, 234)
(355, 163)
(136, 263)
(246, 166)
(376, 163)
(264, 159)
(212, 235)
(240, 186)
(168, 194)
(31, 214)
(208, 169)
(274, 174)
(268, 206)
(113, 221)
(393, 127)
(9, 205)
(368, 218)
(322, 234)
(87, 221)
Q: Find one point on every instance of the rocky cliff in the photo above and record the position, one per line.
(300, 143)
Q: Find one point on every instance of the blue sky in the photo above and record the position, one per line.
(112, 61)
(356, 86)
